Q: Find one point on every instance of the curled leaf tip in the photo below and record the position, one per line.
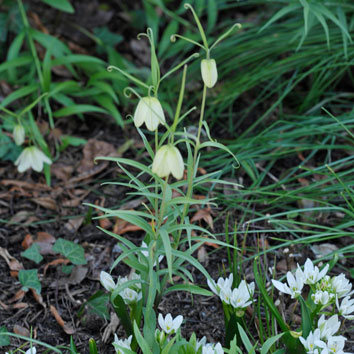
(110, 68)
(173, 38)
(187, 5)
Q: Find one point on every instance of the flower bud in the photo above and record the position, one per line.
(209, 72)
(295, 334)
(19, 134)
(150, 112)
(107, 281)
(168, 160)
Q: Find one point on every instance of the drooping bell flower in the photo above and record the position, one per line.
(19, 134)
(209, 72)
(168, 160)
(32, 157)
(150, 112)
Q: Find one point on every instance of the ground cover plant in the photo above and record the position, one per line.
(225, 223)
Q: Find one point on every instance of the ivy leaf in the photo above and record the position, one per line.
(33, 253)
(74, 252)
(29, 279)
(62, 5)
(4, 339)
(98, 304)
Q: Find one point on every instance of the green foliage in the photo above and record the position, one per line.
(74, 252)
(29, 279)
(33, 253)
(62, 5)
(4, 339)
(97, 303)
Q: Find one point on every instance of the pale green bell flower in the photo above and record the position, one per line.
(168, 160)
(19, 134)
(150, 112)
(32, 157)
(209, 72)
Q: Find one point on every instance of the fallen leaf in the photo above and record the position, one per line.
(18, 296)
(62, 171)
(92, 149)
(27, 241)
(45, 241)
(202, 255)
(111, 327)
(55, 263)
(26, 185)
(22, 331)
(78, 274)
(204, 214)
(38, 298)
(105, 223)
(14, 265)
(46, 202)
(20, 217)
(74, 224)
(67, 329)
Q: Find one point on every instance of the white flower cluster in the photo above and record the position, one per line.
(130, 294)
(323, 339)
(326, 291)
(170, 326)
(32, 350)
(239, 298)
(124, 343)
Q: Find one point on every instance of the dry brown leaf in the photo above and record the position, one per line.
(4, 306)
(18, 306)
(62, 171)
(22, 331)
(105, 223)
(20, 216)
(121, 227)
(202, 255)
(55, 263)
(45, 241)
(38, 298)
(12, 262)
(18, 296)
(77, 275)
(93, 149)
(74, 224)
(26, 185)
(27, 241)
(204, 214)
(67, 329)
(46, 202)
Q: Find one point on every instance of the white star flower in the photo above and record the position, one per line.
(125, 343)
(346, 308)
(294, 286)
(168, 324)
(311, 273)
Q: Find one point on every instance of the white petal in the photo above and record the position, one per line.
(175, 162)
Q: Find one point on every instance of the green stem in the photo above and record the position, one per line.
(35, 58)
(191, 175)
(179, 104)
(162, 207)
